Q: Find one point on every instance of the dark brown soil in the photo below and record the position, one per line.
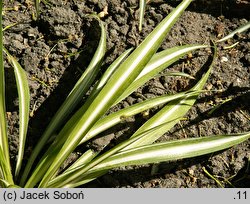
(59, 45)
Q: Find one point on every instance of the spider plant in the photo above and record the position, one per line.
(128, 72)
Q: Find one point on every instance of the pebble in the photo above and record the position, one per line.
(224, 59)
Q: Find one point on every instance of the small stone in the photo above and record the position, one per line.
(224, 59)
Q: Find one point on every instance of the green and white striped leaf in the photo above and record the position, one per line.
(180, 74)
(24, 105)
(237, 31)
(5, 168)
(142, 11)
(84, 159)
(172, 150)
(108, 73)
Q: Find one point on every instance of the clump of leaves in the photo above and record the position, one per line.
(128, 72)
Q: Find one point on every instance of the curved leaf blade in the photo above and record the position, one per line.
(24, 105)
(180, 74)
(172, 150)
(111, 69)
(3, 123)
(3, 166)
(83, 160)
(238, 30)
